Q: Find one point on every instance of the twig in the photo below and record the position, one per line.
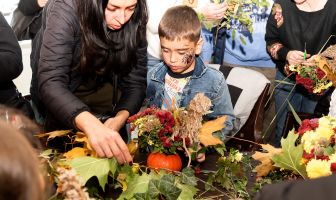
(232, 137)
(188, 153)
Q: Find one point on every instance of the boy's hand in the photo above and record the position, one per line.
(200, 157)
(213, 11)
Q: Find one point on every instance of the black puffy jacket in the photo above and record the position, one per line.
(56, 52)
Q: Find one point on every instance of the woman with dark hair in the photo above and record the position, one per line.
(90, 63)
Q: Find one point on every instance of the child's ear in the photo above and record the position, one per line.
(199, 46)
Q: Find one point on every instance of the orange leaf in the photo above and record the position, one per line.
(266, 164)
(75, 153)
(205, 133)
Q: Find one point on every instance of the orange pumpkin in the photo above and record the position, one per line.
(162, 161)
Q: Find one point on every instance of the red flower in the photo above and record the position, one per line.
(307, 125)
(306, 82)
(333, 167)
(320, 74)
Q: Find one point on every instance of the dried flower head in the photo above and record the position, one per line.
(70, 186)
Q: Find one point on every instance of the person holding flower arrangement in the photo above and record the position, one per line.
(295, 33)
(182, 74)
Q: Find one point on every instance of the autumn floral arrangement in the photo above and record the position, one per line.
(79, 174)
(320, 76)
(163, 131)
(312, 78)
(308, 152)
(238, 11)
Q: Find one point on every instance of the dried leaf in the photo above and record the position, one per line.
(75, 153)
(81, 137)
(327, 68)
(54, 134)
(205, 133)
(132, 147)
(266, 159)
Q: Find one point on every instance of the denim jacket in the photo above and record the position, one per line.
(205, 80)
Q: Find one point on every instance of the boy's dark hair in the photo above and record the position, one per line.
(180, 22)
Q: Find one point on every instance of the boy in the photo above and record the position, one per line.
(174, 82)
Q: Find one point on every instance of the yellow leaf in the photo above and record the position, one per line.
(132, 147)
(54, 134)
(205, 133)
(81, 137)
(75, 153)
(266, 164)
(122, 180)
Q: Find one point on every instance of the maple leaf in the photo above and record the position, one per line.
(88, 167)
(75, 153)
(266, 164)
(291, 155)
(205, 133)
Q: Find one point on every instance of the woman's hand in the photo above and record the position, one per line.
(115, 123)
(105, 141)
(295, 57)
(213, 11)
(311, 61)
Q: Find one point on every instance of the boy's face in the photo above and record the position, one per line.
(179, 55)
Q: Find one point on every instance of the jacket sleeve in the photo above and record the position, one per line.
(222, 105)
(29, 7)
(56, 55)
(10, 53)
(133, 86)
(274, 46)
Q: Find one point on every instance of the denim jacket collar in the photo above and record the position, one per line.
(160, 73)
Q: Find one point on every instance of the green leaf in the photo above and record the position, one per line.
(296, 116)
(188, 176)
(113, 165)
(165, 186)
(329, 151)
(291, 155)
(142, 196)
(242, 40)
(221, 149)
(88, 167)
(187, 191)
(139, 184)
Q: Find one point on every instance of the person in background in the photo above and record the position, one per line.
(32, 9)
(91, 64)
(10, 68)
(156, 9)
(20, 175)
(20, 122)
(174, 82)
(295, 32)
(321, 189)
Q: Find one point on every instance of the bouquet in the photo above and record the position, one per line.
(237, 16)
(308, 152)
(154, 128)
(318, 139)
(179, 129)
(320, 76)
(311, 77)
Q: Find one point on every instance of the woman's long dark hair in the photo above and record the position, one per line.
(104, 49)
